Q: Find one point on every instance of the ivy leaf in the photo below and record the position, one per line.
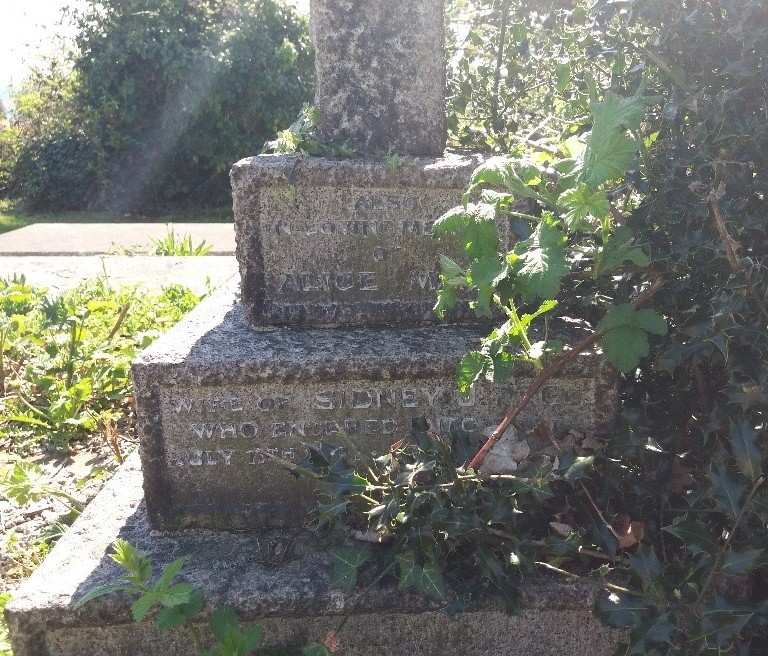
(626, 341)
(696, 536)
(432, 581)
(346, 561)
(472, 365)
(746, 452)
(539, 263)
(410, 572)
(583, 204)
(610, 152)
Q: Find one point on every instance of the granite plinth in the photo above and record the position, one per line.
(324, 241)
(278, 580)
(216, 397)
(380, 70)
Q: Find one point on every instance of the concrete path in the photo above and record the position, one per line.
(111, 238)
(60, 256)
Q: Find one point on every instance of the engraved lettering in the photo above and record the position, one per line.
(469, 424)
(278, 429)
(195, 458)
(351, 426)
(248, 429)
(289, 454)
(431, 398)
(425, 281)
(209, 459)
(203, 431)
(371, 426)
(228, 430)
(332, 428)
(388, 426)
(289, 283)
(361, 399)
(344, 282)
(409, 398)
(183, 405)
(297, 429)
(283, 228)
(323, 402)
(227, 455)
(368, 281)
(468, 400)
(390, 398)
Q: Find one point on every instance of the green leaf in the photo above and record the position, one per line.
(169, 573)
(579, 468)
(136, 562)
(746, 452)
(618, 248)
(446, 300)
(585, 207)
(451, 273)
(175, 595)
(410, 572)
(741, 562)
(480, 239)
(651, 634)
(625, 346)
(346, 561)
(223, 622)
(100, 591)
(621, 611)
(541, 263)
(648, 567)
(727, 490)
(432, 581)
(453, 220)
(172, 616)
(696, 536)
(472, 365)
(481, 276)
(625, 341)
(314, 649)
(610, 152)
(143, 605)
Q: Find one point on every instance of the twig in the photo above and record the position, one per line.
(600, 514)
(551, 370)
(595, 584)
(725, 238)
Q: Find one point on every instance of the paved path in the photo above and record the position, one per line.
(103, 238)
(60, 256)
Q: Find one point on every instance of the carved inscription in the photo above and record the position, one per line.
(347, 245)
(241, 426)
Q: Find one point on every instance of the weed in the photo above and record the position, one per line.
(174, 245)
(5, 644)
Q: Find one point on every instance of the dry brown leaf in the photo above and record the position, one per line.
(561, 530)
(331, 642)
(680, 477)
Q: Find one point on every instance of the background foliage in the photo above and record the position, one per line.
(155, 102)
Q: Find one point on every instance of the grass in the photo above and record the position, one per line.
(11, 217)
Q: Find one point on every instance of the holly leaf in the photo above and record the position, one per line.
(346, 561)
(696, 536)
(727, 490)
(740, 562)
(539, 262)
(746, 452)
(621, 611)
(648, 567)
(583, 204)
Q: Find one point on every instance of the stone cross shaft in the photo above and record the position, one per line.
(381, 74)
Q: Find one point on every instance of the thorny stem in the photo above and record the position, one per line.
(548, 372)
(727, 544)
(730, 254)
(595, 584)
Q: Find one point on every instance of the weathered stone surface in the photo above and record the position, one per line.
(380, 74)
(214, 390)
(278, 580)
(324, 241)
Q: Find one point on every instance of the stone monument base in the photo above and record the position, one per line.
(278, 581)
(219, 400)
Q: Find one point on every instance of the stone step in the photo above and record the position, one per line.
(284, 589)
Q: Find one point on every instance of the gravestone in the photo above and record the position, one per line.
(331, 341)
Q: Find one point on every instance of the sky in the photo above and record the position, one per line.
(27, 30)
